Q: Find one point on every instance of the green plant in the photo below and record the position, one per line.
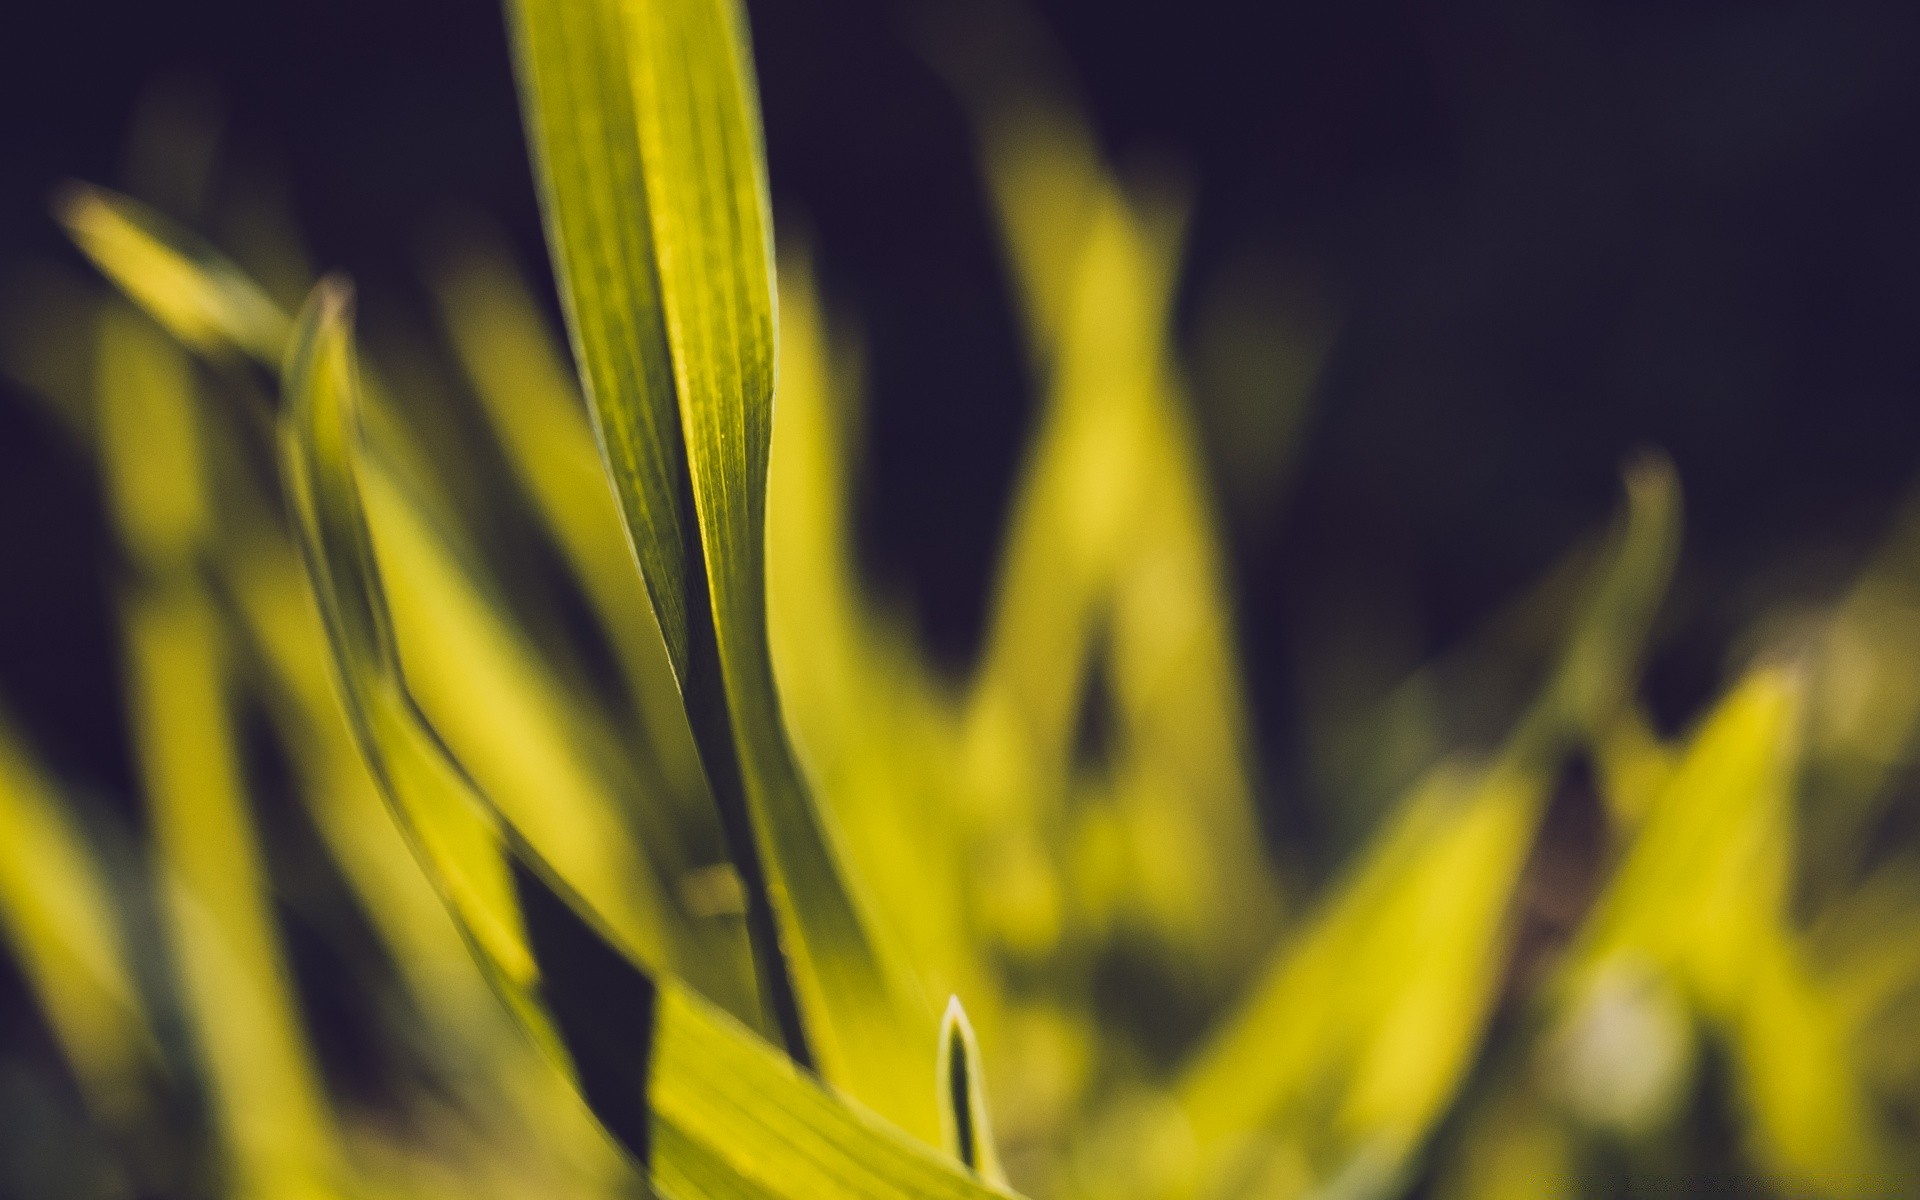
(722, 897)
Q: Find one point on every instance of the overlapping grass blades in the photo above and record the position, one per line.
(709, 1108)
(1151, 1021)
(1367, 1018)
(646, 135)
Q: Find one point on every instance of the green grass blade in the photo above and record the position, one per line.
(274, 1122)
(645, 132)
(458, 839)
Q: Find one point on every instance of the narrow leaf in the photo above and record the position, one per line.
(56, 912)
(645, 133)
(203, 299)
(965, 1128)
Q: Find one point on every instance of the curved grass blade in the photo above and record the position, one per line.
(708, 1108)
(475, 1038)
(548, 766)
(645, 133)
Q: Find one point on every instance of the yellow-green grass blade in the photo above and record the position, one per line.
(457, 838)
(200, 297)
(1182, 766)
(1074, 510)
(1098, 268)
(1111, 558)
(1044, 174)
(212, 306)
(488, 688)
(276, 1131)
(645, 133)
(57, 914)
(1596, 671)
(1364, 1022)
(150, 442)
(579, 104)
(1701, 902)
(707, 1107)
(275, 1127)
(157, 474)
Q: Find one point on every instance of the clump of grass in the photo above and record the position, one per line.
(725, 890)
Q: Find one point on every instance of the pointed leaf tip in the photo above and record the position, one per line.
(964, 1125)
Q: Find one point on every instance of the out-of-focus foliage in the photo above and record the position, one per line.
(646, 860)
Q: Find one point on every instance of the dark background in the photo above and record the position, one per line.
(1550, 233)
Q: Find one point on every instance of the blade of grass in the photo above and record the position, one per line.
(528, 1112)
(200, 297)
(965, 1127)
(276, 1130)
(57, 912)
(645, 134)
(870, 717)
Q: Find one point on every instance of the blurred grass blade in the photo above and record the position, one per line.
(1111, 572)
(705, 1105)
(1596, 671)
(870, 717)
(200, 297)
(1383, 996)
(274, 1121)
(1702, 899)
(645, 133)
(965, 1127)
(150, 439)
(57, 912)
